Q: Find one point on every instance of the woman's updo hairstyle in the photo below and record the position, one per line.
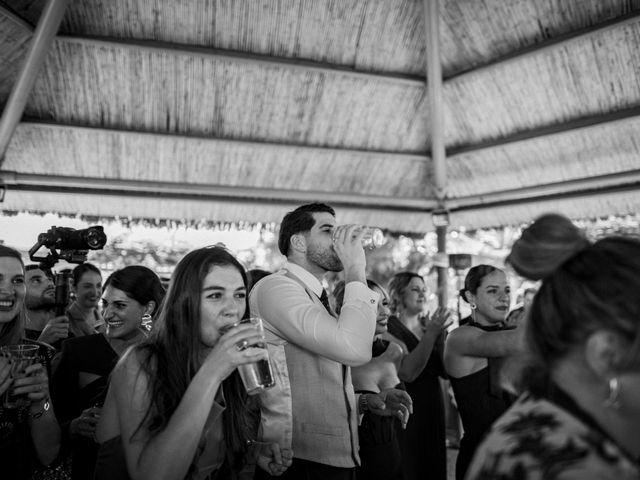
(585, 287)
(548, 243)
(474, 278)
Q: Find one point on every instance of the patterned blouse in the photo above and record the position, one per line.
(549, 439)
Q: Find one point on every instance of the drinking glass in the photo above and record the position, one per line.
(256, 376)
(21, 356)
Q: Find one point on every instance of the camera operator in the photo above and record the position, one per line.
(83, 313)
(42, 323)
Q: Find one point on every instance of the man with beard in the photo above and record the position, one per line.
(42, 324)
(313, 410)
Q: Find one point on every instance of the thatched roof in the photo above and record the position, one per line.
(238, 111)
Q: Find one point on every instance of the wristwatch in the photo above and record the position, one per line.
(363, 404)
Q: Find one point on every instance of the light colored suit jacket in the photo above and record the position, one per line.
(312, 407)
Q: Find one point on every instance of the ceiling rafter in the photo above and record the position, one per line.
(43, 35)
(99, 186)
(15, 18)
(629, 180)
(239, 142)
(564, 127)
(577, 188)
(244, 58)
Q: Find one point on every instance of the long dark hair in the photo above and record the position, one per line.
(12, 332)
(171, 355)
(585, 287)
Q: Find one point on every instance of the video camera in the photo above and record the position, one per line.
(67, 244)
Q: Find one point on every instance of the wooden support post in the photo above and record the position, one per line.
(42, 39)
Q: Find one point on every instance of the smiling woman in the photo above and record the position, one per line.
(79, 385)
(29, 433)
(473, 356)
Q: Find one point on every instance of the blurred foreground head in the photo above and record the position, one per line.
(588, 290)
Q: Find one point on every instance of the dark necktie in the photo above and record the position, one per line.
(324, 298)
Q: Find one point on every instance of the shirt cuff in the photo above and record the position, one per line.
(360, 291)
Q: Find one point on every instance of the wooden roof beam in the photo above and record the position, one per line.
(243, 58)
(15, 18)
(43, 35)
(560, 128)
(181, 190)
(577, 187)
(247, 143)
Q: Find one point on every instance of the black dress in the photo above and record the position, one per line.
(480, 401)
(89, 354)
(422, 443)
(380, 455)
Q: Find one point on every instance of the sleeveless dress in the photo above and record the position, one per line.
(89, 354)
(380, 455)
(480, 401)
(422, 443)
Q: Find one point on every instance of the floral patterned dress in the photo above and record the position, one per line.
(550, 438)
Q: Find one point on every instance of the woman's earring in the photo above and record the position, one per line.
(613, 399)
(146, 321)
(473, 306)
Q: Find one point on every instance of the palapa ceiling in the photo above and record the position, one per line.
(237, 110)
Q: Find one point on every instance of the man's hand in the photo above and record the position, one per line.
(274, 460)
(57, 328)
(347, 243)
(391, 402)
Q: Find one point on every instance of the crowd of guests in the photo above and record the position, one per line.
(132, 382)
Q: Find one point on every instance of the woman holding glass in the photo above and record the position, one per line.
(29, 432)
(176, 406)
(79, 385)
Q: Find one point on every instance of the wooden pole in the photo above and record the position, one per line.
(43, 36)
(434, 89)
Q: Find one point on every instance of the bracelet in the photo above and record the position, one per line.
(363, 403)
(45, 408)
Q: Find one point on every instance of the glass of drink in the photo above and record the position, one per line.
(373, 237)
(21, 356)
(256, 376)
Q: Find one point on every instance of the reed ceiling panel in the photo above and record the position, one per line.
(599, 150)
(152, 90)
(82, 152)
(14, 41)
(125, 206)
(475, 32)
(584, 77)
(586, 207)
(367, 35)
(383, 36)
